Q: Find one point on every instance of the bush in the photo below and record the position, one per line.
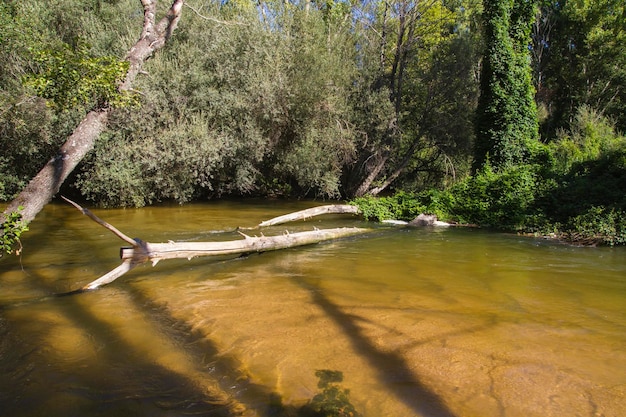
(401, 206)
(501, 200)
(598, 225)
(589, 137)
(10, 232)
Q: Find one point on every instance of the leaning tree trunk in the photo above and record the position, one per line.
(47, 182)
(43, 187)
(367, 182)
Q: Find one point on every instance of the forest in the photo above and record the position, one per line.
(505, 114)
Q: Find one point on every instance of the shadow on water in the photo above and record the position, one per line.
(331, 401)
(132, 384)
(138, 385)
(392, 369)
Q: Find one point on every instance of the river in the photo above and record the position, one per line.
(419, 322)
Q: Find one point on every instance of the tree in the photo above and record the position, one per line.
(261, 108)
(404, 99)
(42, 188)
(585, 61)
(543, 32)
(506, 114)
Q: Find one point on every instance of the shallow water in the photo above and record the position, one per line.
(421, 322)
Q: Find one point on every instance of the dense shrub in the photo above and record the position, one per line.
(495, 199)
(598, 225)
(401, 206)
(500, 200)
(10, 231)
(589, 137)
(575, 188)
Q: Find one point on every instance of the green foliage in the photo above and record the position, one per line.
(274, 99)
(69, 77)
(598, 225)
(191, 159)
(589, 136)
(116, 180)
(496, 199)
(374, 208)
(585, 63)
(232, 109)
(417, 65)
(501, 200)
(507, 114)
(31, 131)
(292, 101)
(589, 169)
(574, 190)
(12, 229)
(401, 206)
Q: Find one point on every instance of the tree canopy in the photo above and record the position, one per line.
(332, 99)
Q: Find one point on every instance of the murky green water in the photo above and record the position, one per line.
(422, 322)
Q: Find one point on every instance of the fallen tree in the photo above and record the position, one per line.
(141, 252)
(312, 212)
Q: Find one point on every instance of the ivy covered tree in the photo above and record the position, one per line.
(507, 113)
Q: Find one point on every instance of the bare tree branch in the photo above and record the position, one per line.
(214, 20)
(101, 222)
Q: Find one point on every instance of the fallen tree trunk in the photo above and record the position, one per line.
(141, 252)
(156, 252)
(311, 212)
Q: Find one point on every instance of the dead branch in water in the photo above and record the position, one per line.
(141, 252)
(311, 212)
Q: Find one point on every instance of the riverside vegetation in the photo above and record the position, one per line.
(506, 114)
(571, 189)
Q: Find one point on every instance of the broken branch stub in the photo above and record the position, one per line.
(102, 223)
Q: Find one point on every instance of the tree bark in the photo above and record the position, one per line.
(44, 186)
(155, 252)
(47, 182)
(367, 182)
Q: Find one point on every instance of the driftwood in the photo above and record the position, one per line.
(141, 252)
(311, 212)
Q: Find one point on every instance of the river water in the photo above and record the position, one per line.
(420, 322)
